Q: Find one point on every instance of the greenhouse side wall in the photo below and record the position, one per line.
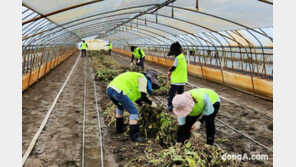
(246, 83)
(37, 73)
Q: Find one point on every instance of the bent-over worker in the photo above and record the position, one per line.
(189, 106)
(110, 48)
(127, 88)
(140, 56)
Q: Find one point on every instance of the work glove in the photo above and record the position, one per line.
(153, 105)
(138, 61)
(131, 65)
(169, 75)
(196, 126)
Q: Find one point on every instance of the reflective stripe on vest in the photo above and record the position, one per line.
(128, 83)
(137, 54)
(179, 75)
(83, 46)
(110, 46)
(198, 95)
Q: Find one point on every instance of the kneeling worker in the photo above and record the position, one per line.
(189, 106)
(127, 88)
(140, 56)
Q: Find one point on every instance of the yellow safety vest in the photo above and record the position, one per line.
(137, 54)
(128, 83)
(198, 95)
(83, 46)
(179, 75)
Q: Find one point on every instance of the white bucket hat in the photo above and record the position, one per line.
(183, 104)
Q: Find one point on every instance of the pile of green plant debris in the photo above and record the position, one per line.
(92, 53)
(154, 123)
(164, 86)
(193, 153)
(107, 68)
(158, 124)
(159, 127)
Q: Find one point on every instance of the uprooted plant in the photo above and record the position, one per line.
(164, 84)
(192, 153)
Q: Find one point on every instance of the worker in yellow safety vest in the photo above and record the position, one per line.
(127, 88)
(140, 56)
(189, 106)
(83, 48)
(177, 74)
(110, 48)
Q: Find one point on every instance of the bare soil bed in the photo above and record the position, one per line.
(59, 143)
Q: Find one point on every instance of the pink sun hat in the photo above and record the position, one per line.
(183, 104)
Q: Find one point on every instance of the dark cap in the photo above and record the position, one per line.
(152, 76)
(175, 49)
(133, 48)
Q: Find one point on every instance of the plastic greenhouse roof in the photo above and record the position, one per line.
(215, 22)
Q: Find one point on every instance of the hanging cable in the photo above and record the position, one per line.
(172, 9)
(156, 17)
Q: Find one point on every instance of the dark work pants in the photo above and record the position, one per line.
(83, 52)
(141, 64)
(184, 130)
(172, 92)
(109, 51)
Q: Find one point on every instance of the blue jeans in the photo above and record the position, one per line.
(123, 102)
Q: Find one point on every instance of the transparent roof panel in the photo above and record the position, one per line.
(217, 22)
(251, 13)
(44, 6)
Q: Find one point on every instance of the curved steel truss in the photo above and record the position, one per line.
(226, 30)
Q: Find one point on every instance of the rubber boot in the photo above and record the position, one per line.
(210, 141)
(119, 126)
(135, 134)
(183, 134)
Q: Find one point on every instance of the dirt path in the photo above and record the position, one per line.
(256, 124)
(60, 143)
(37, 99)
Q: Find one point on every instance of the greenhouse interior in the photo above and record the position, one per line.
(147, 83)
